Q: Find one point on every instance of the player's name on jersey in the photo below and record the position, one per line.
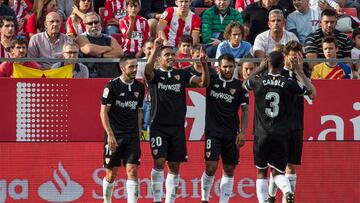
(172, 87)
(273, 82)
(126, 104)
(226, 97)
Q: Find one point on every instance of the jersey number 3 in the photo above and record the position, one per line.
(274, 99)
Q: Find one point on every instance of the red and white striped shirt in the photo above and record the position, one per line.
(74, 28)
(176, 27)
(240, 5)
(114, 9)
(22, 8)
(140, 33)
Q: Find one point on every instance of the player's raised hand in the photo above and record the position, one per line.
(158, 42)
(264, 64)
(240, 140)
(203, 56)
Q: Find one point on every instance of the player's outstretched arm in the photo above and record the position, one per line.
(150, 64)
(204, 80)
(106, 124)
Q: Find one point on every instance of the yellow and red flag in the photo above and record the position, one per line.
(21, 71)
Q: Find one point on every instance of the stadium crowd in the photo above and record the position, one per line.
(114, 28)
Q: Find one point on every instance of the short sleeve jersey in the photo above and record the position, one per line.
(74, 26)
(176, 26)
(124, 101)
(139, 35)
(273, 103)
(167, 89)
(114, 9)
(223, 100)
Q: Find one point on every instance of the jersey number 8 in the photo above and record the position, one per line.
(274, 99)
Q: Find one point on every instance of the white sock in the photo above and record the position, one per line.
(206, 184)
(171, 185)
(292, 180)
(283, 183)
(132, 189)
(272, 186)
(226, 187)
(107, 191)
(262, 190)
(157, 179)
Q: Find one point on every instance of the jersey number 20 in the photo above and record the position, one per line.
(274, 99)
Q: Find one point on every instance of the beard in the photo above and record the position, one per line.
(94, 33)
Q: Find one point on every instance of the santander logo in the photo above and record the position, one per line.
(63, 189)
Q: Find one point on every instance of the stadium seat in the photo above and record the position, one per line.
(118, 37)
(200, 10)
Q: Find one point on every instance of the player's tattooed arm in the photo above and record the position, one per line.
(106, 124)
(150, 64)
(140, 117)
(204, 80)
(240, 139)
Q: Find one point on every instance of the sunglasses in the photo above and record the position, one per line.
(93, 22)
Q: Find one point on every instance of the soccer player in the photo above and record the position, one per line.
(167, 136)
(121, 116)
(291, 51)
(273, 96)
(224, 96)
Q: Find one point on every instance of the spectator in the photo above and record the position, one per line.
(94, 44)
(65, 8)
(71, 51)
(18, 49)
(214, 20)
(331, 70)
(75, 23)
(245, 68)
(234, 44)
(303, 21)
(177, 21)
(36, 20)
(266, 41)
(196, 67)
(185, 46)
(7, 32)
(240, 5)
(7, 11)
(22, 10)
(98, 4)
(134, 28)
(313, 43)
(114, 11)
(256, 17)
(355, 52)
(202, 3)
(48, 44)
(152, 10)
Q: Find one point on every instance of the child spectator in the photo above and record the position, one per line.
(17, 49)
(75, 24)
(134, 28)
(185, 46)
(331, 70)
(114, 11)
(177, 21)
(234, 43)
(196, 67)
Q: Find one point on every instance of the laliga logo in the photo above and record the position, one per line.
(65, 189)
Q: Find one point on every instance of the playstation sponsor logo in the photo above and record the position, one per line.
(62, 189)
